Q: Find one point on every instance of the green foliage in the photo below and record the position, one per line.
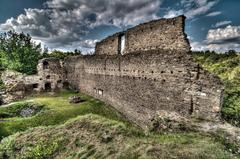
(18, 52)
(227, 67)
(59, 54)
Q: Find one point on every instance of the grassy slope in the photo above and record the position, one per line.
(92, 136)
(57, 110)
(105, 135)
(227, 67)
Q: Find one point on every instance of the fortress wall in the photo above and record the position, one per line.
(167, 34)
(143, 83)
(164, 34)
(109, 46)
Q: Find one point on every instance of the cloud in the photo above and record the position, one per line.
(200, 7)
(229, 34)
(192, 8)
(222, 23)
(221, 40)
(173, 13)
(64, 23)
(89, 43)
(199, 46)
(213, 14)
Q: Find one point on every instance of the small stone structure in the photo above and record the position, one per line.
(75, 99)
(141, 72)
(50, 77)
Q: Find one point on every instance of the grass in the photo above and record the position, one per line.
(57, 110)
(227, 67)
(15, 109)
(94, 130)
(82, 137)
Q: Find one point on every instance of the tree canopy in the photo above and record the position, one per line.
(60, 54)
(18, 52)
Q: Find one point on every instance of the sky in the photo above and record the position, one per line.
(78, 24)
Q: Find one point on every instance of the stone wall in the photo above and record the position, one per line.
(142, 84)
(156, 73)
(164, 34)
(50, 77)
(109, 46)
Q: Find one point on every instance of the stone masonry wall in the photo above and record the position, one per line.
(156, 73)
(109, 46)
(164, 34)
(142, 84)
(51, 74)
(50, 77)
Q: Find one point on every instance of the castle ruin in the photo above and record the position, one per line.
(140, 72)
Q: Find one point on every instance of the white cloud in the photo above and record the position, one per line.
(223, 35)
(89, 43)
(65, 22)
(198, 46)
(203, 6)
(221, 40)
(192, 8)
(212, 14)
(222, 23)
(173, 13)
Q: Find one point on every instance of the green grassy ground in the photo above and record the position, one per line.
(57, 110)
(93, 136)
(94, 130)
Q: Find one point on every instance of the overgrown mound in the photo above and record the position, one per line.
(92, 136)
(22, 109)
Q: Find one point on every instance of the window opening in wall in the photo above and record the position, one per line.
(35, 85)
(45, 65)
(48, 87)
(100, 92)
(122, 43)
(65, 85)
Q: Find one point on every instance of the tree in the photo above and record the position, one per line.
(18, 52)
(60, 54)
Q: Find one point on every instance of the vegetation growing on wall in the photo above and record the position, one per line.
(227, 67)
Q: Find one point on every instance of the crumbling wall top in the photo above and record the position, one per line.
(163, 34)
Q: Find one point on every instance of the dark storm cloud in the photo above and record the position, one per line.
(64, 22)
